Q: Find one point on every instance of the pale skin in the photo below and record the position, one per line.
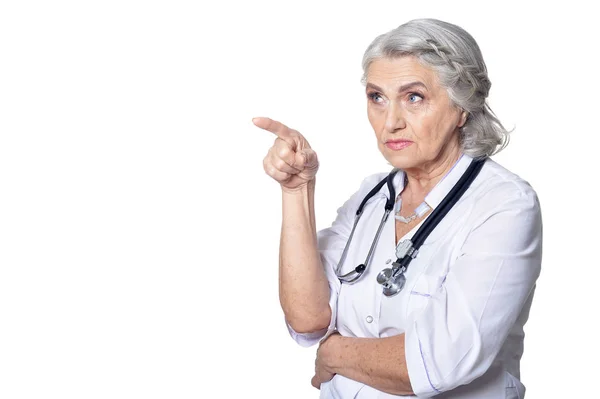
(404, 101)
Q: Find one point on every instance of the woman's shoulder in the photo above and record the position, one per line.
(503, 184)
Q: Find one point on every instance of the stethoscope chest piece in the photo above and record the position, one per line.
(392, 278)
(392, 282)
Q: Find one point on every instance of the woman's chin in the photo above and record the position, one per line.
(400, 161)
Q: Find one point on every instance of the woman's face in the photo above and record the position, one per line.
(416, 124)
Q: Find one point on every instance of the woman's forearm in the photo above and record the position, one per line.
(303, 287)
(377, 362)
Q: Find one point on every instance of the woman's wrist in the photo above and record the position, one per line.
(331, 353)
(302, 189)
(298, 208)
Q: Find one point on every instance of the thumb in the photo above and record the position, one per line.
(306, 159)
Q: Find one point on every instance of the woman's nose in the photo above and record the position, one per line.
(394, 119)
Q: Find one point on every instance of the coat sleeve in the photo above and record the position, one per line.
(461, 329)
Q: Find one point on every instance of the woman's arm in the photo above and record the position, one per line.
(303, 286)
(376, 362)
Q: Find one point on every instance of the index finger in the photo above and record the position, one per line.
(278, 128)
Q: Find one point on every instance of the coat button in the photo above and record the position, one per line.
(369, 319)
(387, 262)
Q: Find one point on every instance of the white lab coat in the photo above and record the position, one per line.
(467, 295)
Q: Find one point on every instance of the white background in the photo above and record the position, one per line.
(139, 233)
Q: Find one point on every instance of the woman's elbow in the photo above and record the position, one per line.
(304, 323)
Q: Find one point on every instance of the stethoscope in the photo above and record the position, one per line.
(392, 278)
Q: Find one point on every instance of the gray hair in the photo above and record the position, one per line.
(455, 56)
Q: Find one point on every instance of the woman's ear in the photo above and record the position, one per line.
(463, 118)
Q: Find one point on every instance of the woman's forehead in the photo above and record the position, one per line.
(398, 72)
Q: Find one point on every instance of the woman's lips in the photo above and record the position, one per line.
(398, 144)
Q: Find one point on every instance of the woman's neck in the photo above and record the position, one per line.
(420, 181)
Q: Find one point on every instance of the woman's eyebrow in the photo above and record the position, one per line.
(374, 87)
(402, 88)
(411, 85)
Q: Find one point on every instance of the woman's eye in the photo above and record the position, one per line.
(414, 98)
(376, 98)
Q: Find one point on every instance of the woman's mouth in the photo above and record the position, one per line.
(397, 144)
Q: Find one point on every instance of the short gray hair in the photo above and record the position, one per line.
(455, 56)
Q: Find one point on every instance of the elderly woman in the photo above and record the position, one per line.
(407, 305)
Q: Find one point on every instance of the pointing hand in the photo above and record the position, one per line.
(290, 161)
